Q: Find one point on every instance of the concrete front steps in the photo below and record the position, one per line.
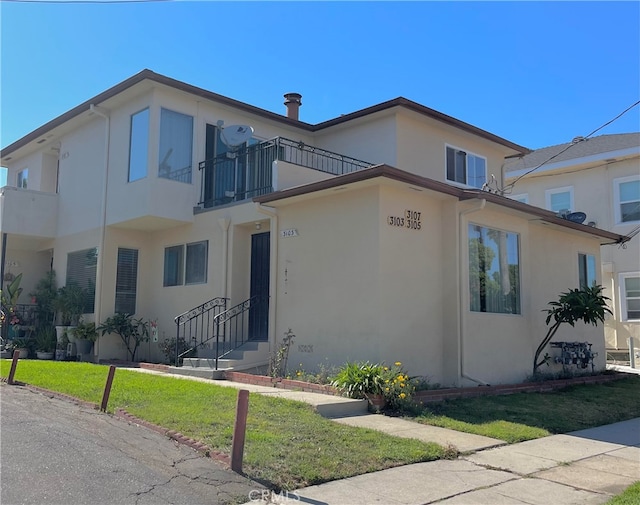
(248, 356)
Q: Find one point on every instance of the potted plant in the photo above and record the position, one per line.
(61, 348)
(85, 335)
(69, 304)
(23, 345)
(45, 342)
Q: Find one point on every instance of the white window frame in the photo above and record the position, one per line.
(616, 197)
(565, 189)
(522, 198)
(623, 294)
(22, 178)
(468, 153)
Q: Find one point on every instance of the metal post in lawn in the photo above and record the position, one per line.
(14, 364)
(239, 430)
(107, 388)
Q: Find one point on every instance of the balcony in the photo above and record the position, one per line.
(249, 171)
(28, 213)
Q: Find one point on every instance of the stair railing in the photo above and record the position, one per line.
(196, 326)
(236, 323)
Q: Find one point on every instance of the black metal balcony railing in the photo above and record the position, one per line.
(237, 176)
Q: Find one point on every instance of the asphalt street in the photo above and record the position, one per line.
(56, 452)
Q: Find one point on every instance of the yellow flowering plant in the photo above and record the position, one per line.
(398, 388)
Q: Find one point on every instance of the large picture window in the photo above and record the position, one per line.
(138, 145)
(176, 144)
(466, 168)
(494, 270)
(81, 271)
(126, 281)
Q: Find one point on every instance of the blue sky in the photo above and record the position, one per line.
(536, 73)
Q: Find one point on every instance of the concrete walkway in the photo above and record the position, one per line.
(580, 468)
(583, 468)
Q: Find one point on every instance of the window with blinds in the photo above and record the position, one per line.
(126, 280)
(81, 271)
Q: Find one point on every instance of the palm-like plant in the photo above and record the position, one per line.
(586, 304)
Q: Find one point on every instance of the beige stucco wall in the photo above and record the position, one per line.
(422, 147)
(364, 289)
(593, 190)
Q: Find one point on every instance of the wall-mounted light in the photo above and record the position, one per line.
(258, 226)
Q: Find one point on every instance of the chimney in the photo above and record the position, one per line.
(293, 101)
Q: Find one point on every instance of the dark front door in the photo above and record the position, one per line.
(259, 311)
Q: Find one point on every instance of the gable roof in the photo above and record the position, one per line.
(575, 150)
(215, 97)
(398, 175)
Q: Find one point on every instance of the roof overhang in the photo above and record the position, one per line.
(584, 161)
(369, 175)
(152, 77)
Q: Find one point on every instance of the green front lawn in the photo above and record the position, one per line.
(630, 496)
(287, 443)
(525, 416)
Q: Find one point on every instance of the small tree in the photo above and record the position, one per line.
(132, 331)
(587, 305)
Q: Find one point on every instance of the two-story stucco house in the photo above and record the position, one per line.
(599, 177)
(368, 235)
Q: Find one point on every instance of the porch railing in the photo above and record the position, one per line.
(240, 323)
(245, 173)
(197, 326)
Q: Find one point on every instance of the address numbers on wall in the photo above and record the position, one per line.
(410, 220)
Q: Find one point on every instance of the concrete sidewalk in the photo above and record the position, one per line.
(583, 467)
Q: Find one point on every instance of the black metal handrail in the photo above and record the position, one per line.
(236, 323)
(196, 327)
(247, 172)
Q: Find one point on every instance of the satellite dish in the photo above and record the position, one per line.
(236, 135)
(576, 217)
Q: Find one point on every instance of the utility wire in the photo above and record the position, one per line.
(509, 187)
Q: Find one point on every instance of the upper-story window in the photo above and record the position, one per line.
(466, 168)
(23, 176)
(559, 199)
(176, 146)
(627, 199)
(138, 145)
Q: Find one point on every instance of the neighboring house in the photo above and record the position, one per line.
(600, 177)
(136, 195)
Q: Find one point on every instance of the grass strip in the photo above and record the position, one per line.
(630, 496)
(525, 416)
(287, 445)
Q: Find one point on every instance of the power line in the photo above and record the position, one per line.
(509, 187)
